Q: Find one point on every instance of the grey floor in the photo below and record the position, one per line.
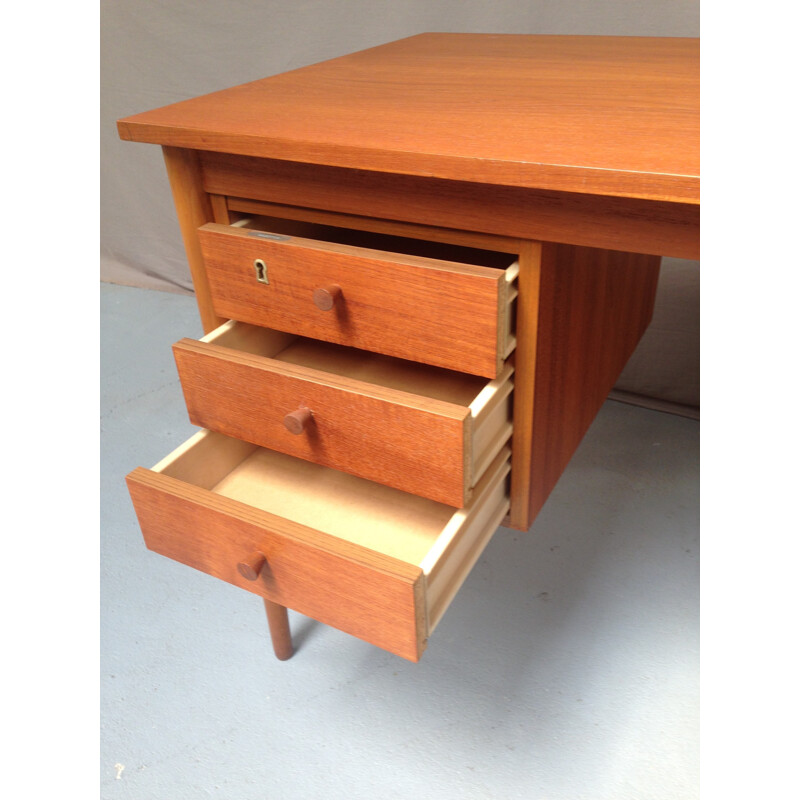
(566, 668)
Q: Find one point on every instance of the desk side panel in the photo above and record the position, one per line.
(587, 311)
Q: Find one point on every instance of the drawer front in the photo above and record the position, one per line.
(436, 312)
(417, 444)
(385, 574)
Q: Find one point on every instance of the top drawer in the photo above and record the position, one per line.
(448, 313)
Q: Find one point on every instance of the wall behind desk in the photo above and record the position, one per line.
(155, 53)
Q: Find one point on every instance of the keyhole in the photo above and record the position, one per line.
(261, 271)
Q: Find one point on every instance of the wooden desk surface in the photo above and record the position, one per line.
(598, 115)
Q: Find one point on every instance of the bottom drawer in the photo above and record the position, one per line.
(375, 562)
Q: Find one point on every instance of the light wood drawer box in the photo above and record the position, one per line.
(380, 564)
(422, 429)
(440, 311)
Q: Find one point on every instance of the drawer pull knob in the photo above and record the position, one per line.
(326, 297)
(251, 568)
(297, 421)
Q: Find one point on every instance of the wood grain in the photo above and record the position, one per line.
(589, 309)
(194, 209)
(426, 310)
(219, 209)
(428, 233)
(587, 145)
(369, 595)
(614, 116)
(397, 439)
(280, 632)
(527, 319)
(379, 564)
(616, 223)
(451, 560)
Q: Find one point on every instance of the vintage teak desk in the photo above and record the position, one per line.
(420, 269)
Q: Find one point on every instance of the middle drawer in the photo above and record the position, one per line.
(425, 430)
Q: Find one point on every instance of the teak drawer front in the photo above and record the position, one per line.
(424, 430)
(443, 313)
(374, 562)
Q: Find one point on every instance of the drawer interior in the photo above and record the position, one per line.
(394, 523)
(349, 362)
(378, 241)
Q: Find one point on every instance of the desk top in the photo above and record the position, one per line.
(596, 115)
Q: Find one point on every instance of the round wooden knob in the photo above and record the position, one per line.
(251, 568)
(297, 421)
(326, 297)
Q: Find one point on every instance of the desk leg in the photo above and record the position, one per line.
(193, 207)
(278, 620)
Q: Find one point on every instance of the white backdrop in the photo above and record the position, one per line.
(156, 53)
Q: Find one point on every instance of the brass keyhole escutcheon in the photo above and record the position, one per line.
(261, 271)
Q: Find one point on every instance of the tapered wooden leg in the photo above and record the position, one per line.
(278, 620)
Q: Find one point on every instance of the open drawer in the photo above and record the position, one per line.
(453, 310)
(380, 564)
(422, 429)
